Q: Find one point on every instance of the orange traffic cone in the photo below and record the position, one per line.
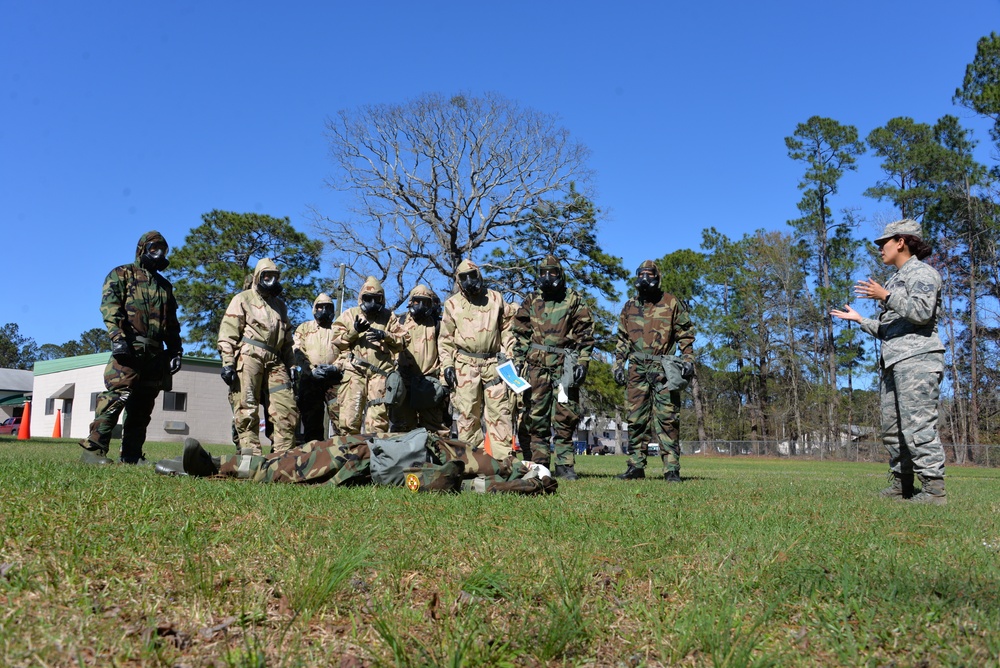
(57, 429)
(24, 431)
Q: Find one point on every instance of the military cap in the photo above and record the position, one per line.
(899, 228)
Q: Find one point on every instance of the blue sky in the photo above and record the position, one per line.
(120, 117)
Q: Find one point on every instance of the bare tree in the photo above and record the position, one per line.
(440, 179)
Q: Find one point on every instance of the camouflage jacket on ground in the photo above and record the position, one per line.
(313, 345)
(907, 324)
(420, 358)
(380, 354)
(138, 302)
(482, 327)
(563, 323)
(659, 328)
(253, 316)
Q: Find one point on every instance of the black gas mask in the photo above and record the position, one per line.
(471, 282)
(420, 308)
(154, 256)
(550, 280)
(323, 313)
(269, 284)
(647, 282)
(371, 304)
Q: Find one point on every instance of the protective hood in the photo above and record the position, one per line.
(152, 235)
(323, 298)
(423, 291)
(372, 286)
(476, 284)
(549, 262)
(264, 264)
(649, 264)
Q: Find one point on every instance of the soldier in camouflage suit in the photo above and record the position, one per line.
(255, 341)
(421, 366)
(140, 313)
(315, 356)
(476, 335)
(346, 460)
(369, 338)
(554, 334)
(652, 328)
(912, 362)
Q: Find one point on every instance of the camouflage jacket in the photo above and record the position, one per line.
(660, 328)
(483, 328)
(380, 354)
(563, 323)
(252, 316)
(138, 302)
(313, 345)
(420, 358)
(907, 324)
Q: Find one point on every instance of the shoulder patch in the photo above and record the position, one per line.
(920, 286)
(412, 482)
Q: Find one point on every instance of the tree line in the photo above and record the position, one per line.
(438, 179)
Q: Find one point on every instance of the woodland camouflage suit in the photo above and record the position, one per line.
(365, 363)
(645, 330)
(544, 323)
(421, 367)
(474, 331)
(346, 460)
(313, 346)
(138, 305)
(255, 337)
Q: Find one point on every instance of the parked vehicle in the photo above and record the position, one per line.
(10, 426)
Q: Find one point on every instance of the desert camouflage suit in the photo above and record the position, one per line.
(543, 330)
(473, 333)
(255, 337)
(647, 332)
(137, 304)
(912, 363)
(317, 398)
(346, 460)
(421, 367)
(366, 364)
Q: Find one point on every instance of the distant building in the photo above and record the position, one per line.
(198, 404)
(15, 387)
(602, 435)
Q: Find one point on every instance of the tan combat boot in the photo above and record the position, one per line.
(901, 486)
(932, 493)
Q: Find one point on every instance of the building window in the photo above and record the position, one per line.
(93, 401)
(175, 401)
(67, 406)
(50, 406)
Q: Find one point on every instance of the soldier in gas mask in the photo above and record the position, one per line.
(140, 313)
(426, 395)
(255, 341)
(315, 355)
(652, 328)
(475, 338)
(368, 337)
(554, 335)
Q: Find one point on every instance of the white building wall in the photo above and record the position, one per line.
(208, 415)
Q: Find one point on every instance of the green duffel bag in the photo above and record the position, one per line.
(391, 456)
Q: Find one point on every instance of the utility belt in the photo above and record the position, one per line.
(478, 356)
(357, 362)
(569, 361)
(672, 371)
(261, 345)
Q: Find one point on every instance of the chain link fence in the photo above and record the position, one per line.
(965, 455)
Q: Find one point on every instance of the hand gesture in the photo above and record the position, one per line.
(360, 324)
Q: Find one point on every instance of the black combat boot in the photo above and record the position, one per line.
(566, 472)
(197, 461)
(173, 466)
(633, 473)
(134, 461)
(672, 476)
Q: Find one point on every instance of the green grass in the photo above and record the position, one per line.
(750, 562)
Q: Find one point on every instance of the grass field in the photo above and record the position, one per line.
(749, 562)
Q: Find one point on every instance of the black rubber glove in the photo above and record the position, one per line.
(175, 364)
(619, 374)
(293, 373)
(360, 324)
(449, 377)
(655, 378)
(121, 350)
(579, 374)
(228, 374)
(375, 335)
(687, 370)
